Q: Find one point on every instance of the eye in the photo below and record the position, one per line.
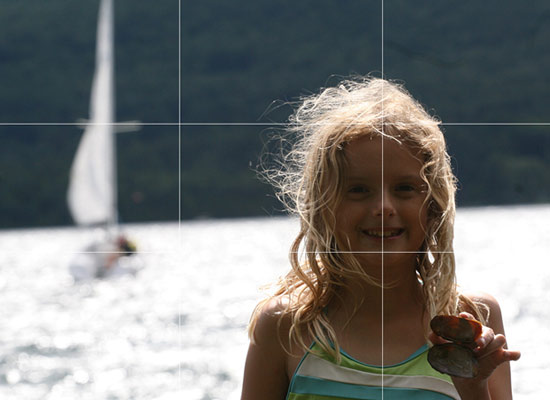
(405, 187)
(358, 189)
(357, 192)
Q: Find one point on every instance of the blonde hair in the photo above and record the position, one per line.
(309, 179)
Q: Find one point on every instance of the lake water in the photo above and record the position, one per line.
(177, 330)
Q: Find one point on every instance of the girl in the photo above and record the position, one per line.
(371, 183)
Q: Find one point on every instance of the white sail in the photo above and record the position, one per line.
(92, 193)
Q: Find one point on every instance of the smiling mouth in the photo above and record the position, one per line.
(386, 233)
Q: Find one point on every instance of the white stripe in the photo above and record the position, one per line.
(317, 367)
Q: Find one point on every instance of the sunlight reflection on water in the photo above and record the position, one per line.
(178, 328)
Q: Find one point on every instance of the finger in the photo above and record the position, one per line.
(486, 338)
(435, 339)
(498, 342)
(490, 362)
(512, 355)
(466, 315)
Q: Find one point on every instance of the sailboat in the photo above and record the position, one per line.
(92, 192)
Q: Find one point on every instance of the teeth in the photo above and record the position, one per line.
(384, 233)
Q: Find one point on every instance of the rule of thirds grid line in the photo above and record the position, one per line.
(281, 124)
(180, 244)
(179, 123)
(382, 205)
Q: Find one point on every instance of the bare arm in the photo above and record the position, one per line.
(493, 381)
(500, 386)
(265, 375)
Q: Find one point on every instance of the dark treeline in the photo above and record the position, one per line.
(242, 63)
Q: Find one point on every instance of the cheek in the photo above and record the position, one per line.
(340, 226)
(348, 215)
(334, 220)
(343, 226)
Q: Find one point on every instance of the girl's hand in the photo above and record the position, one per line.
(490, 351)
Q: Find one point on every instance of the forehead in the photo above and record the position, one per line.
(372, 154)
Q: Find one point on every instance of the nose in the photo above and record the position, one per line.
(384, 206)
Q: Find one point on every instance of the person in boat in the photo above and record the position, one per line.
(371, 183)
(109, 252)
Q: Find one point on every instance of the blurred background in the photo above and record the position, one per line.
(241, 63)
(187, 190)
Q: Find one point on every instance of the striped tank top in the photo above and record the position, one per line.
(319, 378)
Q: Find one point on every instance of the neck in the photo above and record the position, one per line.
(400, 296)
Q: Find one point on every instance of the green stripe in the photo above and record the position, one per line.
(309, 388)
(417, 364)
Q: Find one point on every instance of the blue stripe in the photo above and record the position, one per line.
(295, 375)
(421, 350)
(321, 387)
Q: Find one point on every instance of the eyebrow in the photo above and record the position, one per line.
(411, 177)
(401, 177)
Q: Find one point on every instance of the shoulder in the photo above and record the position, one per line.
(482, 297)
(269, 321)
(492, 308)
(265, 373)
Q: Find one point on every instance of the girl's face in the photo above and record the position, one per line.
(382, 202)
